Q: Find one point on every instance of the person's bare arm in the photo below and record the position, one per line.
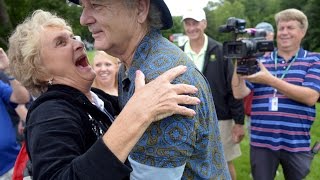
(239, 87)
(20, 95)
(152, 102)
(238, 133)
(300, 94)
(4, 61)
(22, 111)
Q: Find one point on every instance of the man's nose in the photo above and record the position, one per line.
(78, 44)
(86, 17)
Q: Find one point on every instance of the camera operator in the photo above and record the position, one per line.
(206, 53)
(285, 92)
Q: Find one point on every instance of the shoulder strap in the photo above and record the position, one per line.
(20, 166)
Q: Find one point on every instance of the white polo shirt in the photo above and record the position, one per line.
(198, 59)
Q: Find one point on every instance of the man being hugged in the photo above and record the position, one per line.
(178, 147)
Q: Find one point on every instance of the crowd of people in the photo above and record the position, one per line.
(146, 108)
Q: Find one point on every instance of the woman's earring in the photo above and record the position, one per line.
(50, 81)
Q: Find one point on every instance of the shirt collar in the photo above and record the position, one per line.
(139, 59)
(301, 54)
(97, 101)
(188, 49)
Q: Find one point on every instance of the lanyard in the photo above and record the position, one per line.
(285, 72)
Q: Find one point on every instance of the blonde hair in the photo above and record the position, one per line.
(24, 50)
(113, 59)
(292, 14)
(107, 56)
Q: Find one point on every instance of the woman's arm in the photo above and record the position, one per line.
(152, 102)
(19, 94)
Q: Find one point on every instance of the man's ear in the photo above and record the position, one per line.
(143, 10)
(304, 32)
(204, 23)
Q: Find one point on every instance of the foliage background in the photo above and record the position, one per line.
(12, 12)
(255, 11)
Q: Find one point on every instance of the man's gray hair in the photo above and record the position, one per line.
(154, 16)
(291, 15)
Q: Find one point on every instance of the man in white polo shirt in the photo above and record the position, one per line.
(207, 55)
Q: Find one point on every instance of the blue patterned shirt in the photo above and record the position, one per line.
(177, 140)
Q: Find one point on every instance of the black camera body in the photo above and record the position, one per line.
(246, 50)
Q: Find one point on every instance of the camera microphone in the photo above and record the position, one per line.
(225, 28)
(233, 25)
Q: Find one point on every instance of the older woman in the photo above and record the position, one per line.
(70, 132)
(106, 68)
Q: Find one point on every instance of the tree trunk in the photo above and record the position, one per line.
(5, 24)
(4, 17)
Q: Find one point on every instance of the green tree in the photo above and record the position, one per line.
(312, 42)
(176, 28)
(14, 12)
(260, 10)
(219, 16)
(297, 4)
(253, 11)
(5, 24)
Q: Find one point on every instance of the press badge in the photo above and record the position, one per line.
(273, 104)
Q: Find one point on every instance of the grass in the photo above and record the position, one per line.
(242, 163)
(90, 56)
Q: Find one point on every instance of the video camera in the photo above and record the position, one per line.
(246, 50)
